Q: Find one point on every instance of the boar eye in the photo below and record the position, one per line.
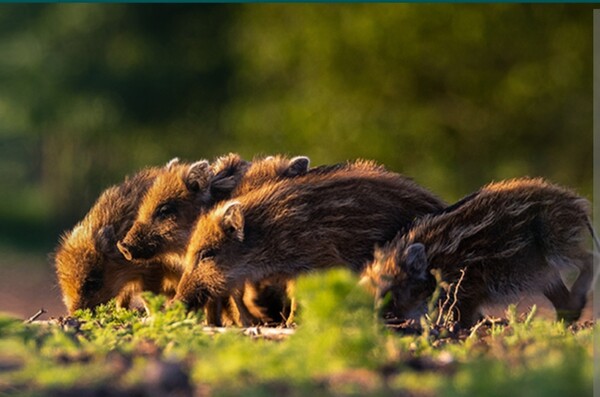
(207, 253)
(166, 210)
(92, 285)
(93, 282)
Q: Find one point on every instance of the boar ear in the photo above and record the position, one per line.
(221, 188)
(196, 175)
(415, 263)
(298, 166)
(227, 179)
(106, 240)
(173, 162)
(232, 221)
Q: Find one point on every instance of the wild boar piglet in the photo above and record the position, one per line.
(509, 238)
(91, 270)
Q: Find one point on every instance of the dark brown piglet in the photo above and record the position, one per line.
(510, 238)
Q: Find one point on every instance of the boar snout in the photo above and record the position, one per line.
(190, 304)
(193, 301)
(131, 251)
(140, 243)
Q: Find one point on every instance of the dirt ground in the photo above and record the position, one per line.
(28, 283)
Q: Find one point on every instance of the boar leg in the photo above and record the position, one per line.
(269, 299)
(246, 318)
(583, 284)
(214, 312)
(569, 304)
(130, 298)
(124, 298)
(231, 314)
(221, 312)
(560, 297)
(468, 313)
(291, 292)
(152, 282)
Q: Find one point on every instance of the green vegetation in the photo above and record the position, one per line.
(338, 348)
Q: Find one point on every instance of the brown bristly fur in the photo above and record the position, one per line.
(330, 216)
(511, 238)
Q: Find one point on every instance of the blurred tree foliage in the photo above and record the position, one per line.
(453, 95)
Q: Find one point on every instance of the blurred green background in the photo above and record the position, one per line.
(452, 95)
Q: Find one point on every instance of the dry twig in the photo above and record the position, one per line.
(451, 309)
(35, 316)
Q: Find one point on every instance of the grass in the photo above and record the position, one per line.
(339, 348)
